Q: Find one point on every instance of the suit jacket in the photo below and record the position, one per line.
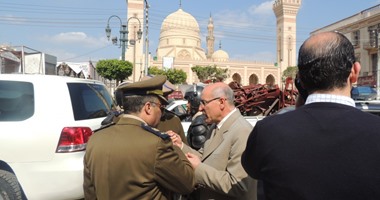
(319, 151)
(221, 175)
(125, 161)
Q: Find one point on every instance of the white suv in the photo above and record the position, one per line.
(45, 123)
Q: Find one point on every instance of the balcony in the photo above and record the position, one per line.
(369, 46)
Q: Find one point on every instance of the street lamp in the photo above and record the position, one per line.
(123, 32)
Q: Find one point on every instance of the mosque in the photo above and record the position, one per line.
(179, 46)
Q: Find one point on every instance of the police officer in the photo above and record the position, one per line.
(131, 159)
(193, 97)
(199, 130)
(169, 120)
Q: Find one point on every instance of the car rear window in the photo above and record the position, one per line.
(89, 100)
(16, 100)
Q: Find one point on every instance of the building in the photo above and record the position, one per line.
(77, 69)
(286, 13)
(363, 31)
(180, 47)
(25, 60)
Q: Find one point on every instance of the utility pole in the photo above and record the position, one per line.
(146, 39)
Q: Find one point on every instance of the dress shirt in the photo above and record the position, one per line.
(220, 124)
(331, 98)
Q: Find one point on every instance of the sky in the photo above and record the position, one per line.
(74, 31)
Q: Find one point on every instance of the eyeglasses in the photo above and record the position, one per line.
(161, 106)
(204, 102)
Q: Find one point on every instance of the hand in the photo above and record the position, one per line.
(176, 139)
(194, 160)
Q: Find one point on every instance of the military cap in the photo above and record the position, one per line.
(167, 88)
(145, 87)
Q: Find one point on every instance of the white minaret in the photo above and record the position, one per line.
(286, 13)
(210, 38)
(134, 53)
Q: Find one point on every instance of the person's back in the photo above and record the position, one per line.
(325, 149)
(328, 152)
(131, 159)
(143, 147)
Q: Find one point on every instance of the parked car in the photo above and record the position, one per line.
(45, 123)
(364, 93)
(372, 107)
(179, 107)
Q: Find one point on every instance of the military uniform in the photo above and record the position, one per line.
(131, 160)
(170, 121)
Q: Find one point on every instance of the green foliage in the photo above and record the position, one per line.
(212, 73)
(175, 76)
(114, 69)
(291, 71)
(155, 71)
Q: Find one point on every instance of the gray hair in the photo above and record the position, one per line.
(226, 92)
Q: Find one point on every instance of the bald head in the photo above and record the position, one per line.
(322, 43)
(217, 102)
(220, 89)
(325, 61)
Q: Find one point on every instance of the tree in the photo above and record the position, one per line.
(290, 71)
(202, 72)
(213, 73)
(114, 69)
(155, 71)
(220, 74)
(175, 76)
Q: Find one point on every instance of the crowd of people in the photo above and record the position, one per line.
(318, 151)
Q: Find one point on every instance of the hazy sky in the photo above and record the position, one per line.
(73, 30)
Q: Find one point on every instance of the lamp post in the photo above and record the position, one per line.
(123, 33)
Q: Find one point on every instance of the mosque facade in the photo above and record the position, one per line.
(180, 47)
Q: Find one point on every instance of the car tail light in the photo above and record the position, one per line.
(73, 139)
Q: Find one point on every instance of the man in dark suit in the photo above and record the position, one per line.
(131, 159)
(218, 170)
(325, 149)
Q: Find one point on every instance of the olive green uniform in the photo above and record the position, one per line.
(130, 161)
(170, 121)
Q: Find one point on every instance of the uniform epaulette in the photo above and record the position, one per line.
(104, 126)
(110, 117)
(156, 132)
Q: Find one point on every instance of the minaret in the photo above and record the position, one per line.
(134, 53)
(210, 38)
(286, 13)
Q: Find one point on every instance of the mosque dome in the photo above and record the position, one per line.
(180, 37)
(220, 55)
(180, 20)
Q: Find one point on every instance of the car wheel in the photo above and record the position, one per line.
(9, 186)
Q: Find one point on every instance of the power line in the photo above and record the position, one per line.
(85, 54)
